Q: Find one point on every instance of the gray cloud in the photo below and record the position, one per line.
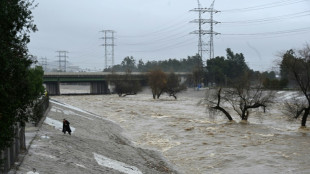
(157, 30)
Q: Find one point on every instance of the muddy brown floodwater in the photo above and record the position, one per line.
(189, 138)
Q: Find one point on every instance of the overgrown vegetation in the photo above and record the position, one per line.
(37, 108)
(20, 85)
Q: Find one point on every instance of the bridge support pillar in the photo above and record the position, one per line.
(98, 87)
(53, 88)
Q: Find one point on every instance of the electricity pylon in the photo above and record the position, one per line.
(202, 32)
(211, 21)
(108, 47)
(62, 61)
(44, 63)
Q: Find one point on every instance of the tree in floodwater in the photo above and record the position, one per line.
(173, 85)
(157, 82)
(214, 98)
(297, 67)
(125, 84)
(245, 97)
(160, 83)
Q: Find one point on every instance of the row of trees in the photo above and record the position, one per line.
(220, 71)
(244, 96)
(20, 85)
(159, 82)
(129, 64)
(225, 71)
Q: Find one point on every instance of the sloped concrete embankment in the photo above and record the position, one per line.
(95, 146)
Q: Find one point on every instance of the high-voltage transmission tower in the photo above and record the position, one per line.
(202, 32)
(62, 60)
(211, 21)
(108, 47)
(44, 63)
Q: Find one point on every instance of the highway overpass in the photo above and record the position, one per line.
(99, 81)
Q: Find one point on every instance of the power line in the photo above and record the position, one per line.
(265, 6)
(170, 26)
(298, 30)
(270, 19)
(159, 40)
(171, 46)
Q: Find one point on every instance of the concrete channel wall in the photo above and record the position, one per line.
(10, 155)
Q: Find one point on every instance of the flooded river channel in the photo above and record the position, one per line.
(194, 142)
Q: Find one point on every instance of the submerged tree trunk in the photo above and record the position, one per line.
(218, 107)
(244, 115)
(224, 111)
(304, 117)
(173, 95)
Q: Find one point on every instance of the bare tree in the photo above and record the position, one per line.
(298, 68)
(214, 99)
(173, 85)
(244, 97)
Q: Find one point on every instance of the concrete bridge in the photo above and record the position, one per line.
(99, 81)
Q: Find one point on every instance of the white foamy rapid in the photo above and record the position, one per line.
(116, 165)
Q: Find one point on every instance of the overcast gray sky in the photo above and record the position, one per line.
(159, 29)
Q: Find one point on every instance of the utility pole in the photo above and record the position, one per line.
(202, 32)
(108, 47)
(44, 63)
(62, 60)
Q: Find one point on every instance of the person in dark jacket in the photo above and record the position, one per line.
(66, 127)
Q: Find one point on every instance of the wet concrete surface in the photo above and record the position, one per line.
(95, 146)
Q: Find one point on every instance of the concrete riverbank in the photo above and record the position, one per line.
(95, 146)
